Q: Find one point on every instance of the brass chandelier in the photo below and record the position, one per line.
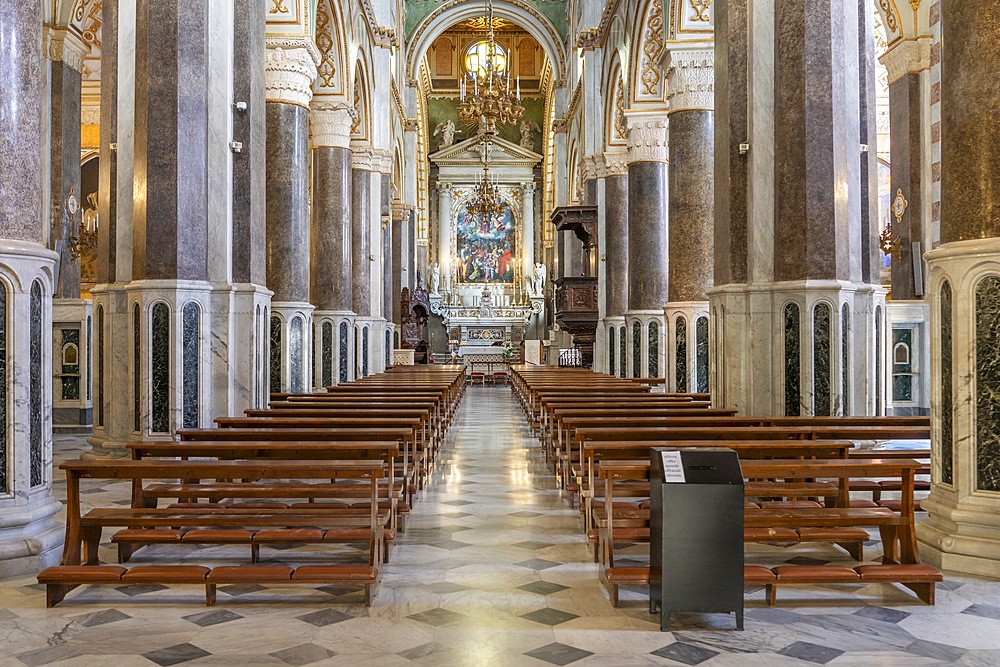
(485, 200)
(491, 100)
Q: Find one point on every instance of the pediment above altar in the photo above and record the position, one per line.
(471, 152)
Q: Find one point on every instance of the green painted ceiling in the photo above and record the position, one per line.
(554, 10)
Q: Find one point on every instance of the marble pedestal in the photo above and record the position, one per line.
(388, 344)
(908, 358)
(686, 357)
(240, 364)
(333, 348)
(962, 533)
(367, 346)
(72, 363)
(291, 347)
(30, 539)
(644, 343)
(752, 358)
(609, 355)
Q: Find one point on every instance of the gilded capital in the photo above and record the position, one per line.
(330, 123)
(289, 70)
(690, 80)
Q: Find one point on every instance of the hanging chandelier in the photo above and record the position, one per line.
(491, 100)
(485, 200)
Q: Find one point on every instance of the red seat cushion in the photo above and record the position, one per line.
(165, 574)
(815, 574)
(94, 574)
(238, 574)
(757, 574)
(900, 573)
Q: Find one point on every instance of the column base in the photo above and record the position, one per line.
(334, 357)
(686, 356)
(30, 539)
(366, 345)
(644, 347)
(291, 346)
(962, 537)
(611, 345)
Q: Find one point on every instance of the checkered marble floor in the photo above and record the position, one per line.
(493, 570)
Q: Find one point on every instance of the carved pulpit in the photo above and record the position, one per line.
(576, 296)
(414, 309)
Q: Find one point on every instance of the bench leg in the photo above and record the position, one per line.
(254, 553)
(209, 595)
(55, 593)
(613, 593)
(369, 594)
(855, 549)
(924, 591)
(771, 592)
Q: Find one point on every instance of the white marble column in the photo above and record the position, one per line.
(528, 228)
(29, 538)
(445, 194)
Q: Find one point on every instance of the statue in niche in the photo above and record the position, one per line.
(447, 131)
(434, 278)
(538, 279)
(528, 127)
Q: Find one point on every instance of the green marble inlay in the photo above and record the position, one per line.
(636, 350)
(947, 397)
(902, 365)
(845, 360)
(611, 351)
(821, 360)
(701, 354)
(654, 350)
(621, 352)
(160, 381)
(879, 380)
(680, 355)
(275, 361)
(988, 384)
(793, 389)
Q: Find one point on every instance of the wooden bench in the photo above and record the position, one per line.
(80, 565)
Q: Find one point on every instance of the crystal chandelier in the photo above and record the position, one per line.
(491, 100)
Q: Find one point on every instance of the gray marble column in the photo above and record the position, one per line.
(386, 245)
(331, 253)
(692, 192)
(290, 70)
(962, 532)
(66, 53)
(616, 206)
(29, 537)
(361, 179)
(647, 212)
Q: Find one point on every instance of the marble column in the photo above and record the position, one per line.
(29, 537)
(361, 257)
(615, 254)
(528, 229)
(290, 71)
(331, 262)
(445, 196)
(386, 326)
(908, 63)
(648, 272)
(691, 92)
(962, 533)
(71, 400)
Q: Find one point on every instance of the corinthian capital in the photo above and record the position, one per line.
(691, 80)
(907, 56)
(63, 46)
(647, 136)
(330, 123)
(289, 70)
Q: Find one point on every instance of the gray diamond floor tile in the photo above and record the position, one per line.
(445, 587)
(214, 617)
(436, 617)
(49, 654)
(549, 616)
(175, 655)
(424, 650)
(450, 545)
(882, 614)
(237, 590)
(543, 587)
(140, 589)
(983, 611)
(687, 654)
(102, 618)
(537, 564)
(811, 652)
(325, 617)
(942, 652)
(304, 654)
(530, 544)
(558, 654)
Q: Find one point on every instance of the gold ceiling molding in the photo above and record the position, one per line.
(327, 68)
(701, 8)
(619, 114)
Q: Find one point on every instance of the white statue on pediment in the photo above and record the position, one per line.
(434, 278)
(527, 136)
(538, 279)
(447, 131)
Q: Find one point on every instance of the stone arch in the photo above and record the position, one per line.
(361, 95)
(453, 11)
(615, 96)
(333, 52)
(645, 77)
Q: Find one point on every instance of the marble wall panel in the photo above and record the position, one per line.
(36, 438)
(160, 371)
(701, 355)
(653, 349)
(4, 417)
(647, 236)
(249, 128)
(680, 355)
(343, 357)
(822, 375)
(793, 365)
(287, 201)
(364, 352)
(622, 368)
(987, 396)
(691, 205)
(636, 350)
(612, 350)
(326, 352)
(99, 380)
(190, 333)
(879, 354)
(845, 360)
(296, 352)
(275, 360)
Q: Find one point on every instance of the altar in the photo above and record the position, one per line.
(483, 319)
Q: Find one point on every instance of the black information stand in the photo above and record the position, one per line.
(696, 532)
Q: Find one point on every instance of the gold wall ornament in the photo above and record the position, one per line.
(915, 4)
(888, 241)
(278, 8)
(651, 49)
(327, 70)
(701, 8)
(890, 16)
(620, 130)
(899, 205)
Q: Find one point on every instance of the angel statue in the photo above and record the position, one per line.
(527, 138)
(538, 279)
(447, 131)
(434, 275)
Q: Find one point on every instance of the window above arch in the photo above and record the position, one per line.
(482, 56)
